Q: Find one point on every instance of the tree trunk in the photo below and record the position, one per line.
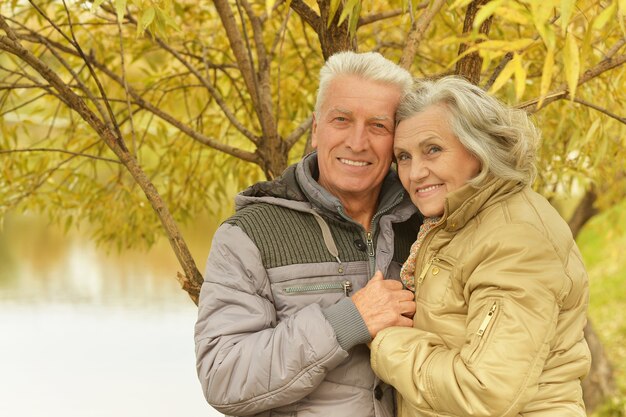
(333, 38)
(469, 66)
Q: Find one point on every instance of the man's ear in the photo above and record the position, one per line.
(314, 132)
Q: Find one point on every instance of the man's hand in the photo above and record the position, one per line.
(383, 303)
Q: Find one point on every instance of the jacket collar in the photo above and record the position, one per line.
(463, 204)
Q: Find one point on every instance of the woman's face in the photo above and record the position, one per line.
(432, 162)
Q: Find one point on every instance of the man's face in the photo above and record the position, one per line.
(353, 135)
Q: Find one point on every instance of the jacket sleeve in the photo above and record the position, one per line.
(513, 293)
(247, 362)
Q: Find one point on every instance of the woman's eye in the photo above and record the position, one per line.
(402, 157)
(433, 149)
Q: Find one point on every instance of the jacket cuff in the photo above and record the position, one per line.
(350, 329)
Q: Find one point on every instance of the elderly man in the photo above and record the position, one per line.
(292, 294)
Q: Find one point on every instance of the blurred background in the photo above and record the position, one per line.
(90, 332)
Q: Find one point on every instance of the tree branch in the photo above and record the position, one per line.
(600, 109)
(139, 100)
(366, 20)
(108, 136)
(562, 92)
(99, 158)
(307, 14)
(417, 33)
(298, 132)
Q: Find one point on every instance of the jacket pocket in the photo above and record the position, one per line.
(344, 286)
(483, 333)
(434, 281)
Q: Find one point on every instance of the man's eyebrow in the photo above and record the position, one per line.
(340, 110)
(381, 118)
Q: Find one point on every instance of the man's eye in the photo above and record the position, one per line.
(340, 119)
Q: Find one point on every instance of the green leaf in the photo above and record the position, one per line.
(571, 60)
(348, 10)
(334, 6)
(354, 20)
(147, 16)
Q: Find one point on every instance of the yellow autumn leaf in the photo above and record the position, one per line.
(505, 46)
(348, 10)
(459, 3)
(606, 15)
(571, 60)
(269, 6)
(520, 76)
(546, 76)
(567, 7)
(503, 77)
(120, 6)
(485, 12)
(511, 13)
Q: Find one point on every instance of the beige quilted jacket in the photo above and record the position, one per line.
(501, 295)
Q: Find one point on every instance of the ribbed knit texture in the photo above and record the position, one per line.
(287, 237)
(349, 326)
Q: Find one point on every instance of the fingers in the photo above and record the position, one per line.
(383, 303)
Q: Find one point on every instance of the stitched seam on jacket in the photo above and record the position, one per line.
(283, 387)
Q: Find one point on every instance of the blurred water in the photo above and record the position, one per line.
(84, 334)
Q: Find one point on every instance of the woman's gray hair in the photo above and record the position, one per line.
(370, 66)
(503, 139)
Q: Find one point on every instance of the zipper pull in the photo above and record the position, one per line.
(370, 244)
(425, 270)
(347, 287)
(486, 320)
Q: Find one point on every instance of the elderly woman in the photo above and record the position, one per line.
(500, 286)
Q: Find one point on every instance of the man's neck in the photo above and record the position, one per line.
(362, 211)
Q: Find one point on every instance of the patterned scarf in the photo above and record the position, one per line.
(407, 274)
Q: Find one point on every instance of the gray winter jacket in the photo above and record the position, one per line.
(277, 334)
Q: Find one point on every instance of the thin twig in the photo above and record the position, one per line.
(133, 135)
(600, 109)
(99, 158)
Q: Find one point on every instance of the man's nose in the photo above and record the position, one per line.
(358, 139)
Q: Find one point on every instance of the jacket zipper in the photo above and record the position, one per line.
(345, 286)
(482, 332)
(420, 279)
(487, 320)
